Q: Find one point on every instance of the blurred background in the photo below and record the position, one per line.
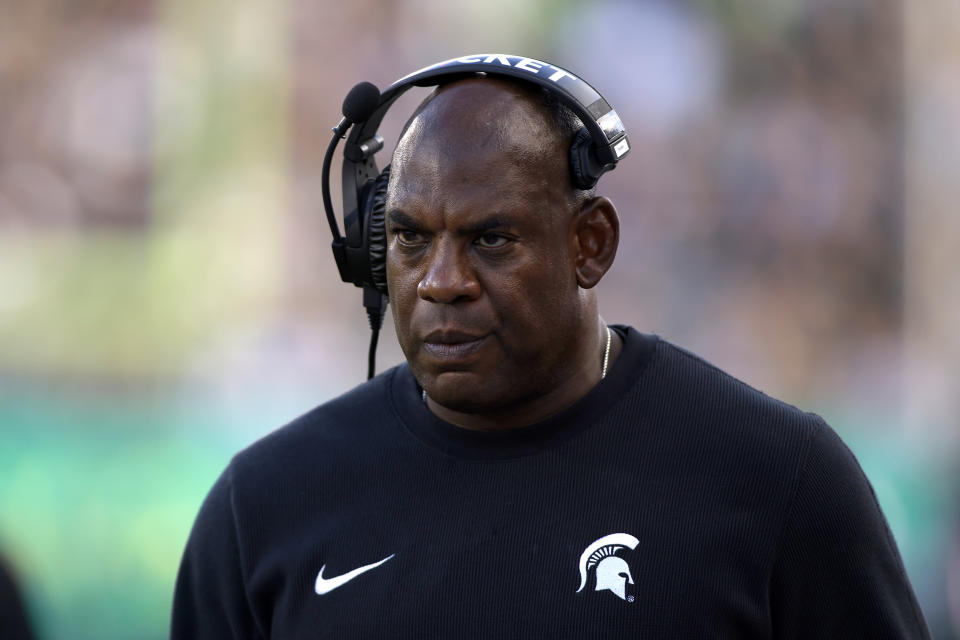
(167, 293)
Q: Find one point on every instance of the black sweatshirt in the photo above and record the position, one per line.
(672, 501)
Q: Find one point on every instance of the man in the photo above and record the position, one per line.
(531, 471)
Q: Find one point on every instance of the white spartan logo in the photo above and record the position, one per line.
(612, 571)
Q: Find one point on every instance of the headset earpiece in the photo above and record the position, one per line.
(580, 161)
(377, 230)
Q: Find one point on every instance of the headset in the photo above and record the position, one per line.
(360, 254)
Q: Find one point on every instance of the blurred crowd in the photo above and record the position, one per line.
(763, 208)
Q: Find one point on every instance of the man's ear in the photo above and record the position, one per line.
(596, 230)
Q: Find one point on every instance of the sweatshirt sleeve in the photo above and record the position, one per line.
(837, 573)
(210, 597)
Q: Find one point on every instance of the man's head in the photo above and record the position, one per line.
(492, 254)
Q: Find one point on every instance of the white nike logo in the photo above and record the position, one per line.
(326, 585)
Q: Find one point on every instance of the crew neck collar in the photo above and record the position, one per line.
(456, 441)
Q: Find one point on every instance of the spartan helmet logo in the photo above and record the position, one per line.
(612, 571)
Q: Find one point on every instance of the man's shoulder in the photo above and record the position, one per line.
(701, 371)
(344, 425)
(726, 405)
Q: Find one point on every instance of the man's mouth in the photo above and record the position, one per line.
(452, 345)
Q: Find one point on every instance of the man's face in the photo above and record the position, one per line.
(480, 251)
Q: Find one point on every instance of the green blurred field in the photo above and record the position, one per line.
(96, 501)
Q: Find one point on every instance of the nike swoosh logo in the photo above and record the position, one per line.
(326, 585)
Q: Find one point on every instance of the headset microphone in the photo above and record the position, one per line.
(361, 102)
(361, 252)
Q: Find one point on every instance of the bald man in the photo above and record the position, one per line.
(531, 471)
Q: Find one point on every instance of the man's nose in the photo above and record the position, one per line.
(449, 277)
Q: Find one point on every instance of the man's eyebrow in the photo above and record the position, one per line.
(496, 221)
(400, 219)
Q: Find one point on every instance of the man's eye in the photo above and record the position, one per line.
(406, 236)
(491, 241)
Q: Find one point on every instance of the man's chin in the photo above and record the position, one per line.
(464, 392)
